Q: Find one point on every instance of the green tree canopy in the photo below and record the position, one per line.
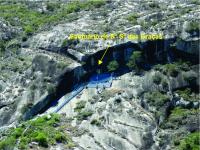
(113, 66)
(134, 60)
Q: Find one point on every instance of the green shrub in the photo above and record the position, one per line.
(187, 94)
(83, 115)
(134, 60)
(28, 30)
(158, 67)
(64, 43)
(51, 88)
(183, 65)
(180, 116)
(174, 68)
(79, 106)
(171, 69)
(176, 142)
(41, 138)
(156, 98)
(17, 132)
(154, 5)
(95, 122)
(23, 143)
(132, 19)
(165, 84)
(60, 138)
(113, 66)
(52, 6)
(191, 142)
(8, 144)
(157, 79)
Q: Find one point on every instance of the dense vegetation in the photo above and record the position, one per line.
(20, 14)
(44, 130)
(191, 142)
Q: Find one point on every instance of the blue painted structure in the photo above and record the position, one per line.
(98, 80)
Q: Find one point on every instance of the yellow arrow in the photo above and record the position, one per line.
(100, 60)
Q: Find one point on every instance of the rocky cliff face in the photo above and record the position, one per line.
(44, 65)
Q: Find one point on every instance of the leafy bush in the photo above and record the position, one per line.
(8, 144)
(52, 6)
(158, 67)
(51, 88)
(171, 69)
(60, 137)
(154, 5)
(187, 94)
(132, 18)
(134, 60)
(192, 142)
(95, 122)
(83, 115)
(17, 132)
(64, 43)
(28, 30)
(41, 138)
(79, 106)
(165, 84)
(113, 66)
(180, 116)
(156, 98)
(157, 78)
